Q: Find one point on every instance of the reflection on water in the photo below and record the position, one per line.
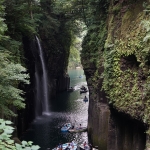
(68, 107)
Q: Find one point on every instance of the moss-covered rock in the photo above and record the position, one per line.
(125, 69)
(119, 64)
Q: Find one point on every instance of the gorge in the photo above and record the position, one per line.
(114, 56)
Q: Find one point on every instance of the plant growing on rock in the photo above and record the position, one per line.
(126, 68)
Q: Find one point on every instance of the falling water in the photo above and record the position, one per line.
(41, 83)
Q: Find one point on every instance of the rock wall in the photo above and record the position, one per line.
(125, 133)
(98, 114)
(56, 56)
(56, 47)
(116, 109)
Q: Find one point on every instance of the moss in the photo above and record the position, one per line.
(148, 141)
(124, 81)
(110, 29)
(126, 20)
(117, 8)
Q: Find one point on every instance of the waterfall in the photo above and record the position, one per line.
(41, 83)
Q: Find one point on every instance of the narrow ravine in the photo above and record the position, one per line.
(68, 107)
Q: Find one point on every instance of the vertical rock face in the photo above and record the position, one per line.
(56, 54)
(116, 122)
(125, 133)
(98, 123)
(56, 46)
(98, 114)
(26, 115)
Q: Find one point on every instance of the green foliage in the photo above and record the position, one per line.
(123, 86)
(22, 17)
(3, 26)
(11, 72)
(126, 72)
(146, 54)
(10, 76)
(117, 8)
(75, 48)
(93, 44)
(74, 56)
(6, 143)
(49, 22)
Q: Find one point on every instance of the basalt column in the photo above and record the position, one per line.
(98, 115)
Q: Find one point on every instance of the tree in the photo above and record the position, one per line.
(11, 72)
(22, 17)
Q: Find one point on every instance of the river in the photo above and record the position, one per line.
(68, 107)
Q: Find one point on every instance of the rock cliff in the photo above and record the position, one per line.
(56, 53)
(118, 75)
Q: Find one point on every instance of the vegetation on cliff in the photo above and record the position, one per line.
(94, 41)
(121, 49)
(115, 48)
(126, 64)
(74, 56)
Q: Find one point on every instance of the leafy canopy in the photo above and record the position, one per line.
(11, 72)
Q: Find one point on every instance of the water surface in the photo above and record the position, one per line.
(68, 107)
